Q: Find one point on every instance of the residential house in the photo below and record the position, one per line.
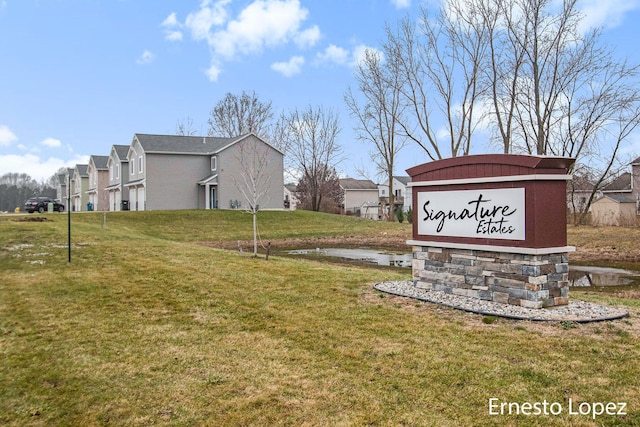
(401, 190)
(358, 193)
(118, 165)
(618, 198)
(79, 187)
(290, 197)
(195, 172)
(62, 186)
(579, 190)
(98, 173)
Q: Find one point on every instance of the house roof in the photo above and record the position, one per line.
(403, 179)
(621, 183)
(357, 184)
(100, 162)
(291, 187)
(121, 151)
(620, 198)
(82, 170)
(182, 144)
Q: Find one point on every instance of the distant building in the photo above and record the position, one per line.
(358, 193)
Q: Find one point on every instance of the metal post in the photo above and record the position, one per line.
(69, 216)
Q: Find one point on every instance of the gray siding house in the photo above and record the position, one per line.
(194, 172)
(118, 192)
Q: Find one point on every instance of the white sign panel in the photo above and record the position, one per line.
(489, 214)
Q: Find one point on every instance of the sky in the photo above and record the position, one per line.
(78, 76)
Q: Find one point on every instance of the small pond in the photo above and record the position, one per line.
(579, 276)
(366, 256)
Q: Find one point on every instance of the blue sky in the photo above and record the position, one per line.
(77, 76)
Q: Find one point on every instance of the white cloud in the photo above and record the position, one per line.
(173, 35)
(213, 72)
(401, 4)
(261, 24)
(359, 52)
(290, 68)
(200, 22)
(608, 13)
(335, 55)
(7, 137)
(171, 25)
(147, 57)
(171, 20)
(39, 169)
(51, 143)
(308, 37)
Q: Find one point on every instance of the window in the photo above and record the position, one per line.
(214, 163)
(132, 165)
(117, 171)
(111, 172)
(140, 164)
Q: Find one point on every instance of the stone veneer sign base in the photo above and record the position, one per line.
(531, 281)
(574, 311)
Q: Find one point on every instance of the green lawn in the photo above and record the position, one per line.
(148, 327)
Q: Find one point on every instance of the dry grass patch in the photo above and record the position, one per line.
(144, 329)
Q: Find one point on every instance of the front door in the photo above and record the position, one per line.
(212, 198)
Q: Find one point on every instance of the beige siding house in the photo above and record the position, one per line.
(194, 172)
(79, 187)
(98, 174)
(358, 194)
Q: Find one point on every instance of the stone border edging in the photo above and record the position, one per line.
(575, 311)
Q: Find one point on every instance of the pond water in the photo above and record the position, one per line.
(579, 276)
(582, 276)
(367, 256)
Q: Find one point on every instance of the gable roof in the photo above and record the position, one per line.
(357, 184)
(100, 162)
(196, 145)
(403, 179)
(82, 170)
(121, 151)
(621, 183)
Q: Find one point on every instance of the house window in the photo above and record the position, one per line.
(132, 165)
(214, 163)
(111, 172)
(384, 191)
(117, 171)
(398, 193)
(140, 164)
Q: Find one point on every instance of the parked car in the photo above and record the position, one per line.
(41, 204)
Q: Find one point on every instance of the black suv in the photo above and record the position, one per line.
(41, 204)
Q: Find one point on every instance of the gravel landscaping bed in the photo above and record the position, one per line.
(575, 311)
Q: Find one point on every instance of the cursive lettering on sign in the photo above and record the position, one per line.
(495, 213)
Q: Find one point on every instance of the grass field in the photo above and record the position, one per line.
(149, 326)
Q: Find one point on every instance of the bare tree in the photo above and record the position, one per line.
(546, 84)
(184, 127)
(237, 115)
(377, 117)
(311, 136)
(439, 62)
(255, 178)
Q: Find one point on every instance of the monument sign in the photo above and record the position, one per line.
(492, 227)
